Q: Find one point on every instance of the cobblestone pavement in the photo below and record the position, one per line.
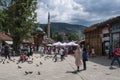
(44, 68)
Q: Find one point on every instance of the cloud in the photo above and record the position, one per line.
(84, 12)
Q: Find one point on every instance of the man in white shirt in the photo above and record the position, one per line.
(61, 53)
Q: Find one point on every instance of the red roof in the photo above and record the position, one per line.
(5, 37)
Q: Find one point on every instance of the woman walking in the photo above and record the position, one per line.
(78, 57)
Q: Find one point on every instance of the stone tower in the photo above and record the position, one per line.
(48, 32)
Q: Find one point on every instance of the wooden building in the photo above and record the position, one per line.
(102, 35)
(93, 39)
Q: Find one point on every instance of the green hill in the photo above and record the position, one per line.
(64, 27)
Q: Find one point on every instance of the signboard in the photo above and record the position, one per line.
(105, 30)
(105, 39)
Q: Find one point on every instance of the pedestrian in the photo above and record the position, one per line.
(115, 57)
(89, 52)
(78, 57)
(61, 53)
(31, 51)
(107, 53)
(93, 52)
(23, 57)
(6, 52)
(3, 50)
(28, 51)
(55, 55)
(85, 58)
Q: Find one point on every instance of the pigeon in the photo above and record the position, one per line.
(37, 65)
(3, 62)
(19, 67)
(0, 61)
(7, 62)
(13, 60)
(44, 59)
(32, 58)
(26, 72)
(30, 72)
(30, 62)
(39, 73)
(41, 63)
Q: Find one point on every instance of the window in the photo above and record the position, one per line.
(105, 35)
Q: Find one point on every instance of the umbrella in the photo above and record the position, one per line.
(64, 44)
(57, 44)
(49, 44)
(72, 44)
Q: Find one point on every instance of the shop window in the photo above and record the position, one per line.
(105, 35)
(116, 40)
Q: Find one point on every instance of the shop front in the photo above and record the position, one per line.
(105, 40)
(115, 36)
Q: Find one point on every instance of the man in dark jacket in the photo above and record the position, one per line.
(6, 52)
(84, 55)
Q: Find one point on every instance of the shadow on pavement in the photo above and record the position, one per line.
(112, 68)
(74, 72)
(100, 60)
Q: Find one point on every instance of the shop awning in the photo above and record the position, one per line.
(9, 42)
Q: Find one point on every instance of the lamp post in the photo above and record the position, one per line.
(110, 32)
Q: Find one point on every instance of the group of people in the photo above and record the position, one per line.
(5, 51)
(25, 53)
(80, 54)
(59, 51)
(91, 52)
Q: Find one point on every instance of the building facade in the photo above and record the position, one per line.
(104, 36)
(93, 39)
(115, 33)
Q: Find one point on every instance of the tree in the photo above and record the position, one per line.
(57, 36)
(2, 20)
(72, 36)
(19, 19)
(2, 15)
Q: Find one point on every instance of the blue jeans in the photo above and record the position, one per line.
(115, 59)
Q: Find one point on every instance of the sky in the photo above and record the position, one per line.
(82, 12)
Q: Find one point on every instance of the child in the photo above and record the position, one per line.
(55, 57)
(23, 57)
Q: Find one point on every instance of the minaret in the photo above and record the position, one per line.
(48, 32)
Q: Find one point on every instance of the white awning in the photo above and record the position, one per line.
(9, 42)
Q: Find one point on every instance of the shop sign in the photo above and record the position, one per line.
(105, 30)
(105, 39)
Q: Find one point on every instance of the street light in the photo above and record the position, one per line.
(110, 32)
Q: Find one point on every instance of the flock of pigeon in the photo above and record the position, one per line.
(29, 61)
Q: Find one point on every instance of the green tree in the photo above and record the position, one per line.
(19, 19)
(57, 36)
(2, 20)
(72, 36)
